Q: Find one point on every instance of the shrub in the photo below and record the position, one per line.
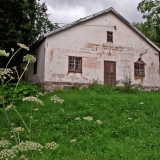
(23, 90)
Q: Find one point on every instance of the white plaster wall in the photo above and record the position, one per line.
(88, 40)
(39, 77)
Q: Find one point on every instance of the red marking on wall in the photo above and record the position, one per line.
(152, 64)
(91, 62)
(108, 46)
(92, 46)
(51, 56)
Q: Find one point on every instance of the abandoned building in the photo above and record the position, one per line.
(104, 47)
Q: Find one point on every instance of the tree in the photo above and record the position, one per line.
(22, 21)
(147, 29)
(151, 12)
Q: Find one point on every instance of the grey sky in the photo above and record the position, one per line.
(66, 11)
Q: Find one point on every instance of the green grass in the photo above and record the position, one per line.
(129, 130)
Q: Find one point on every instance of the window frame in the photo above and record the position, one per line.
(108, 38)
(140, 71)
(74, 70)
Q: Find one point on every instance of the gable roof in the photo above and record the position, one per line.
(98, 14)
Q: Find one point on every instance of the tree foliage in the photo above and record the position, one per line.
(151, 12)
(22, 21)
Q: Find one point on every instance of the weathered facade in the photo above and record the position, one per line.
(103, 47)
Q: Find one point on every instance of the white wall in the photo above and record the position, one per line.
(39, 77)
(88, 40)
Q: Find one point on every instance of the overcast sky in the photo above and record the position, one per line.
(66, 11)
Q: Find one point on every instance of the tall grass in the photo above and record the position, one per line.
(124, 125)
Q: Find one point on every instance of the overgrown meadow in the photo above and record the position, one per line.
(95, 123)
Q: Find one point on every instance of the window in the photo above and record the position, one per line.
(139, 68)
(35, 67)
(75, 64)
(109, 36)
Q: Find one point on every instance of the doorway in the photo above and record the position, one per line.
(110, 72)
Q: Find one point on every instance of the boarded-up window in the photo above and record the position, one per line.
(109, 36)
(75, 64)
(139, 68)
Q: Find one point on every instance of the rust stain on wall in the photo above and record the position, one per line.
(51, 56)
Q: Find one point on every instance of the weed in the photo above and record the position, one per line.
(9, 93)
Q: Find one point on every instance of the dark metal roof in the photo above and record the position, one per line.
(98, 14)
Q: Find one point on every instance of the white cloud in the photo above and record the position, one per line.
(63, 16)
(66, 11)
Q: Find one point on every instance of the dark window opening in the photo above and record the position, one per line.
(139, 68)
(109, 36)
(35, 68)
(75, 64)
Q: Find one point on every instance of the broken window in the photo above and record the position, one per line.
(109, 36)
(75, 64)
(139, 68)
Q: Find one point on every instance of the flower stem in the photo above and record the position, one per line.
(22, 119)
(12, 57)
(19, 81)
(8, 120)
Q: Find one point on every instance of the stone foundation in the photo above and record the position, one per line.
(53, 86)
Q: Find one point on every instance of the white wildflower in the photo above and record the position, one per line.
(73, 140)
(3, 53)
(29, 58)
(33, 99)
(23, 46)
(98, 121)
(36, 109)
(39, 94)
(18, 129)
(77, 118)
(56, 99)
(7, 153)
(141, 103)
(51, 145)
(129, 118)
(15, 68)
(88, 118)
(4, 143)
(5, 72)
(9, 107)
(12, 49)
(28, 145)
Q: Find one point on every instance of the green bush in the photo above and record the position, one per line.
(23, 90)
